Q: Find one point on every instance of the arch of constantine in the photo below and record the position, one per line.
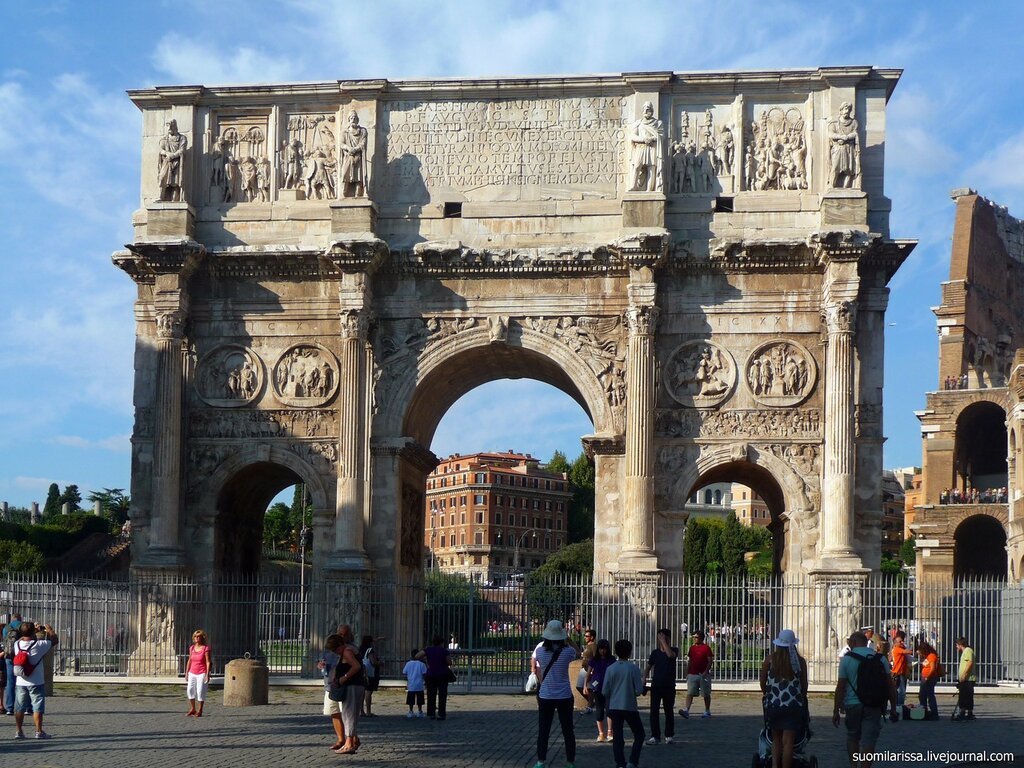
(700, 260)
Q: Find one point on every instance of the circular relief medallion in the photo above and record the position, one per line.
(306, 375)
(781, 373)
(229, 376)
(700, 374)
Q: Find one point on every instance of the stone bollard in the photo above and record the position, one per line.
(246, 683)
(574, 670)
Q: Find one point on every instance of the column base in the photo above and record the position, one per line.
(349, 562)
(638, 561)
(841, 562)
(643, 210)
(161, 559)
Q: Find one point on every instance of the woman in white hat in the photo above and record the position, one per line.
(784, 686)
(555, 691)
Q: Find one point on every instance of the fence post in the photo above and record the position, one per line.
(470, 627)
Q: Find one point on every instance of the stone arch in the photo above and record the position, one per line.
(447, 370)
(964, 401)
(784, 491)
(979, 455)
(243, 485)
(979, 544)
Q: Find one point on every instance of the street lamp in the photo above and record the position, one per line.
(517, 542)
(303, 536)
(433, 536)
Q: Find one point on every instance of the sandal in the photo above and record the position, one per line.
(344, 751)
(336, 746)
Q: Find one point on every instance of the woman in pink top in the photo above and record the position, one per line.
(198, 673)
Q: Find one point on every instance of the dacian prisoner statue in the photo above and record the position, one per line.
(646, 140)
(844, 149)
(172, 152)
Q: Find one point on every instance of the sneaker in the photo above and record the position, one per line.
(706, 714)
(409, 715)
(685, 714)
(653, 740)
(570, 765)
(19, 735)
(970, 716)
(420, 714)
(538, 764)
(669, 739)
(42, 735)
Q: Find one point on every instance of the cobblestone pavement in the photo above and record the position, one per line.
(145, 727)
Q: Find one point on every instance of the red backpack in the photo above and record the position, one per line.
(22, 666)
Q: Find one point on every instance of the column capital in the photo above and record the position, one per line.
(642, 319)
(355, 324)
(170, 325)
(840, 316)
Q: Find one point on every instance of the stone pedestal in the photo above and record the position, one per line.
(170, 220)
(291, 195)
(643, 209)
(823, 610)
(844, 208)
(351, 215)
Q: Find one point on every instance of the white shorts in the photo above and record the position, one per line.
(196, 687)
(331, 707)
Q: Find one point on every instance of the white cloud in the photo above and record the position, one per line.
(116, 443)
(205, 60)
(37, 483)
(1002, 169)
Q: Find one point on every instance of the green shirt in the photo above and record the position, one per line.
(967, 660)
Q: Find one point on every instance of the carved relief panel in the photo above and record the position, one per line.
(239, 164)
(700, 374)
(776, 155)
(307, 159)
(229, 376)
(704, 154)
(306, 375)
(780, 373)
(501, 149)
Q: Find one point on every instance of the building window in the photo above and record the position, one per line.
(547, 485)
(462, 538)
(480, 518)
(524, 523)
(479, 537)
(497, 518)
(481, 477)
(478, 498)
(536, 503)
(462, 500)
(558, 523)
(536, 522)
(558, 507)
(707, 496)
(463, 517)
(718, 497)
(536, 483)
(452, 539)
(452, 521)
(547, 506)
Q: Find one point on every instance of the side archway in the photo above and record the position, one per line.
(979, 548)
(238, 493)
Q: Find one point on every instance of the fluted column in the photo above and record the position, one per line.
(638, 522)
(164, 540)
(838, 482)
(350, 553)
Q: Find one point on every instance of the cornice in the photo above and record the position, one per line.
(142, 262)
(455, 259)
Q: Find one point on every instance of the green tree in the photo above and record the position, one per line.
(908, 552)
(575, 559)
(559, 464)
(52, 506)
(114, 504)
(73, 497)
(581, 510)
(20, 557)
(278, 531)
(694, 556)
(734, 546)
(713, 549)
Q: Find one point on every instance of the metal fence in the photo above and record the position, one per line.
(142, 627)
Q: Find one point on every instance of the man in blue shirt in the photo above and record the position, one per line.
(10, 635)
(863, 722)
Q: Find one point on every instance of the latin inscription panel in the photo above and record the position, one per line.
(505, 149)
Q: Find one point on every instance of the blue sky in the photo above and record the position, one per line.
(70, 147)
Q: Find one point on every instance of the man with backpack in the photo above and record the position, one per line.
(864, 686)
(30, 686)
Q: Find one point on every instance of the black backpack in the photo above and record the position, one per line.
(872, 680)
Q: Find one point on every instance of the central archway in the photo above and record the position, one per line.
(450, 369)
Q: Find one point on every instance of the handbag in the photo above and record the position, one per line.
(532, 683)
(451, 676)
(338, 691)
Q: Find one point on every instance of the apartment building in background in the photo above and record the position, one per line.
(489, 515)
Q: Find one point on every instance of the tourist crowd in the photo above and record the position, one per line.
(974, 496)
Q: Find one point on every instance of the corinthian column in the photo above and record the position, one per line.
(638, 523)
(837, 497)
(349, 551)
(164, 541)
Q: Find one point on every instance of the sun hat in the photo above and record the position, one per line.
(787, 639)
(554, 631)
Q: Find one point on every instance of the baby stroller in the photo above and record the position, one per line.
(763, 757)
